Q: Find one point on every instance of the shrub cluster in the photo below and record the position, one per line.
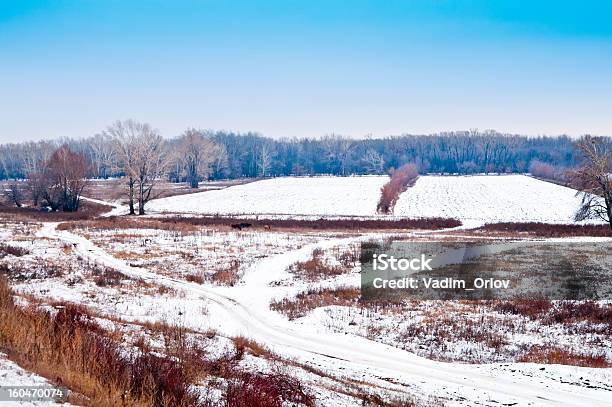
(401, 179)
(314, 298)
(548, 229)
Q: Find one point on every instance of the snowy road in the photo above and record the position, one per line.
(362, 359)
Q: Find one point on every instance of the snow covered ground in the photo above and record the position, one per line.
(474, 200)
(156, 263)
(324, 196)
(244, 310)
(488, 199)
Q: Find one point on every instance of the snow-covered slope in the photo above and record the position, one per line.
(474, 200)
(487, 199)
(326, 196)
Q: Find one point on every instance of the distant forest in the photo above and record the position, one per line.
(253, 155)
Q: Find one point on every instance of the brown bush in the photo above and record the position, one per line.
(116, 223)
(531, 308)
(542, 170)
(564, 357)
(194, 278)
(548, 230)
(87, 210)
(563, 312)
(314, 298)
(401, 179)
(228, 276)
(316, 268)
(6, 249)
(266, 390)
(578, 311)
(243, 344)
(108, 277)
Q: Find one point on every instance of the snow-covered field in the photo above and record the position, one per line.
(474, 200)
(324, 196)
(488, 199)
(387, 352)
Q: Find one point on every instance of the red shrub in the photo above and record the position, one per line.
(266, 390)
(401, 179)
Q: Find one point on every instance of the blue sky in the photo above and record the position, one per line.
(305, 68)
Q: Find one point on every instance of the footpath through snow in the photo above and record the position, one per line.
(246, 308)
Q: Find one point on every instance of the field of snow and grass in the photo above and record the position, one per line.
(474, 199)
(286, 301)
(323, 196)
(489, 199)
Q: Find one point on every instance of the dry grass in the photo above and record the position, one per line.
(69, 347)
(564, 312)
(108, 277)
(6, 250)
(228, 276)
(316, 268)
(266, 390)
(560, 356)
(353, 224)
(122, 223)
(307, 301)
(62, 345)
(547, 230)
(87, 210)
(244, 344)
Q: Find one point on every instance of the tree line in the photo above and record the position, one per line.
(203, 154)
(56, 171)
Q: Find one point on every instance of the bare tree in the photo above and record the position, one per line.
(220, 163)
(125, 136)
(150, 166)
(265, 160)
(373, 161)
(196, 153)
(14, 194)
(140, 157)
(102, 154)
(594, 179)
(63, 178)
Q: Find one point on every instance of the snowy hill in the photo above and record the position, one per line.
(324, 196)
(472, 199)
(488, 199)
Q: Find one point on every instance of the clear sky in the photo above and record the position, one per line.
(305, 68)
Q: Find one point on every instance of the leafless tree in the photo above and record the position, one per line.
(265, 160)
(125, 136)
(14, 193)
(63, 178)
(220, 162)
(102, 155)
(196, 154)
(373, 161)
(594, 179)
(141, 157)
(150, 166)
